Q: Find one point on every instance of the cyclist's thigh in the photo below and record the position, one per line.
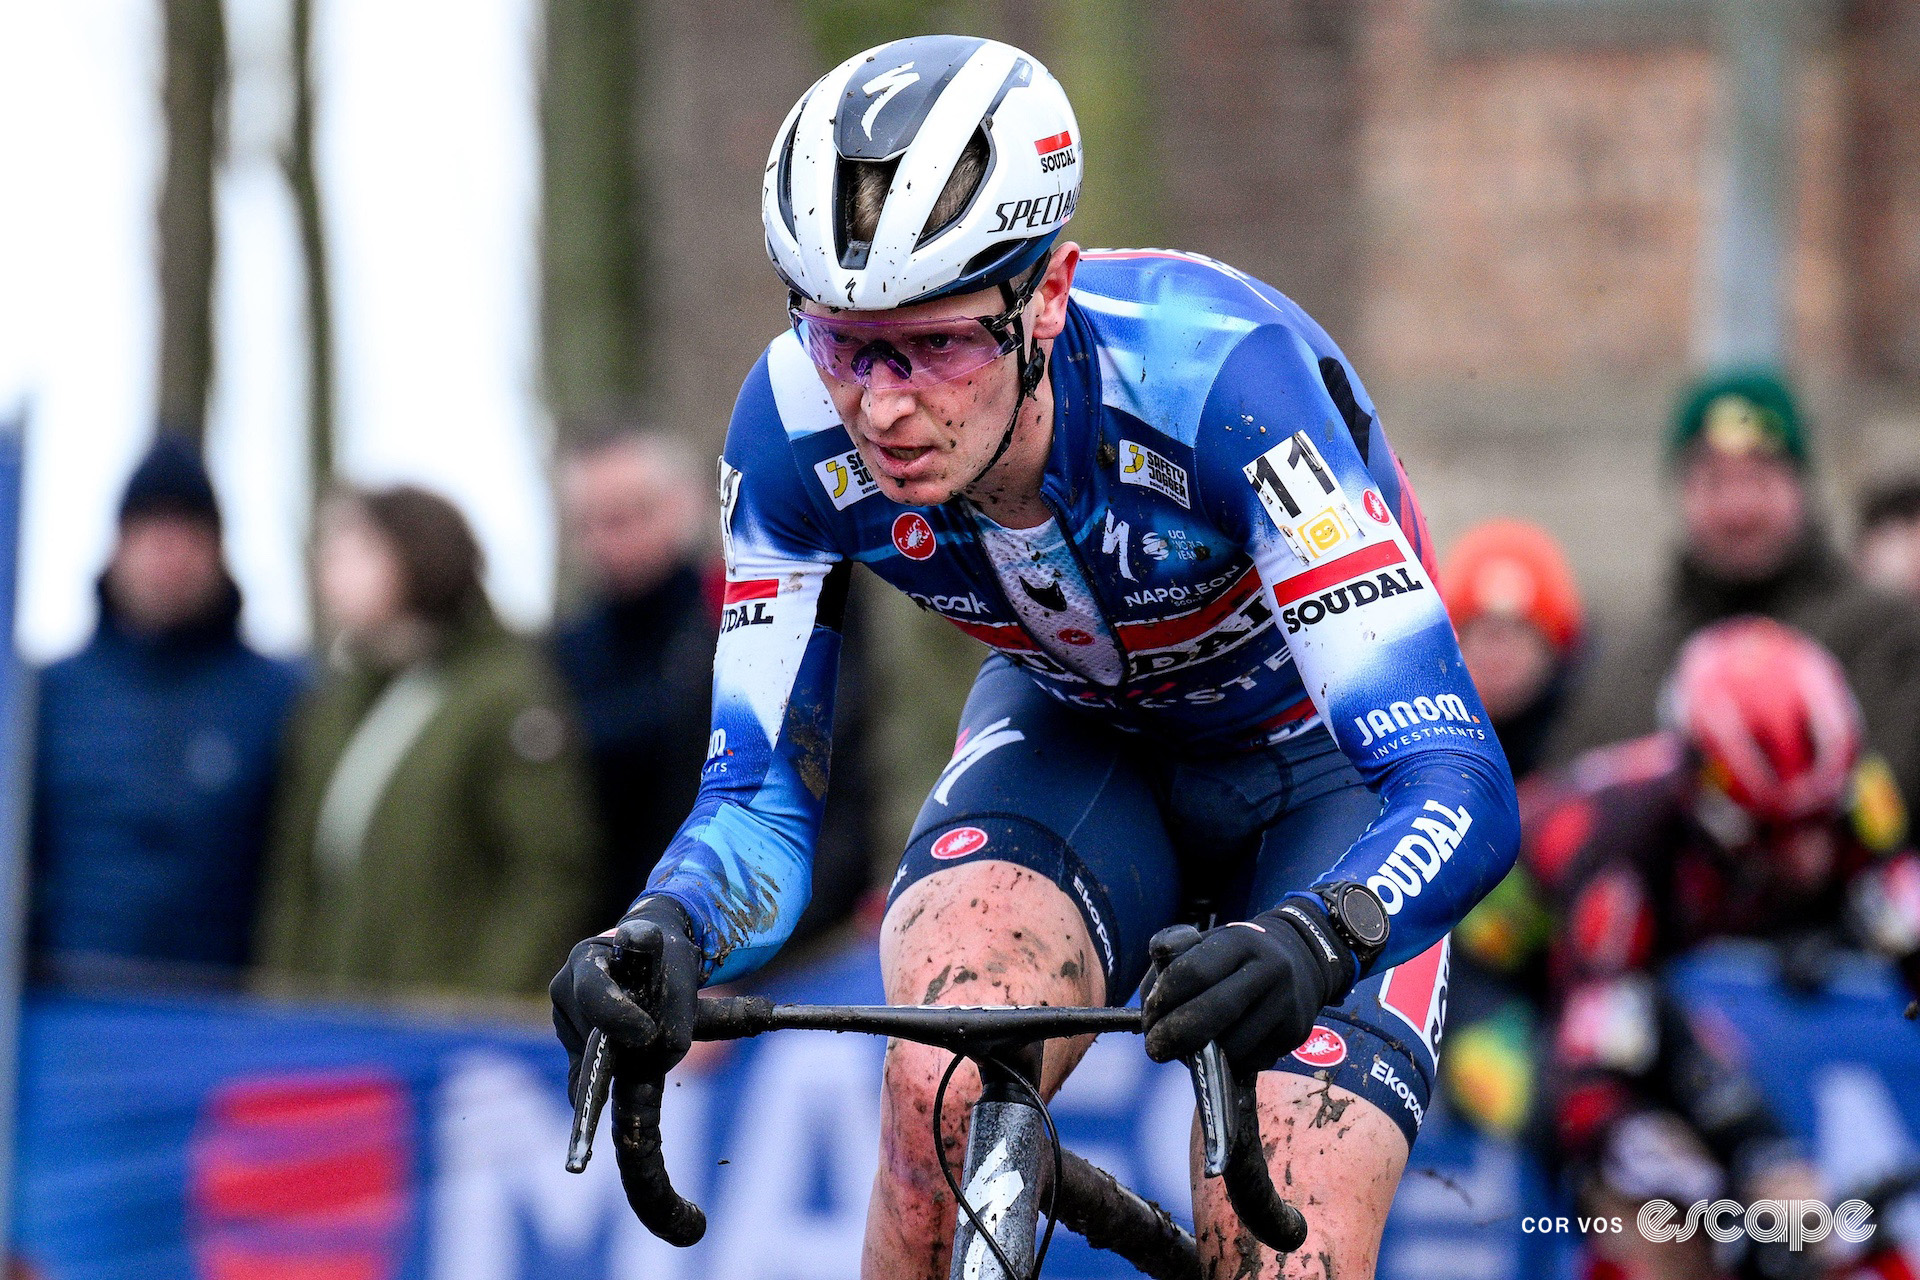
(1040, 813)
(1381, 1041)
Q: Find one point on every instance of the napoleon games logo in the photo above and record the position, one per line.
(1324, 1048)
(913, 536)
(958, 843)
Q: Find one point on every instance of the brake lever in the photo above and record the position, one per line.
(1230, 1138)
(1212, 1092)
(596, 1082)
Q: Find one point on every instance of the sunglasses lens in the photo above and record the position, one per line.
(920, 354)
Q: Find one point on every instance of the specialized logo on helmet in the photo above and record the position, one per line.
(886, 84)
(1324, 1048)
(913, 536)
(958, 843)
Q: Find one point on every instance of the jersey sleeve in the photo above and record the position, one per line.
(741, 864)
(1336, 538)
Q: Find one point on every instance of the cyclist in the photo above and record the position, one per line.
(1754, 815)
(1158, 491)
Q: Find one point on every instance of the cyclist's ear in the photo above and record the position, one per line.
(1051, 317)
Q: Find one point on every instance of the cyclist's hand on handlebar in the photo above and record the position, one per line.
(1253, 986)
(656, 1025)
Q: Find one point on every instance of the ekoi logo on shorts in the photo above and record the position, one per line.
(958, 843)
(1324, 1048)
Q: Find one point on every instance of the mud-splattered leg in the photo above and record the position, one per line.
(981, 933)
(1332, 1153)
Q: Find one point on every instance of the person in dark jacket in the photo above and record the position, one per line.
(1753, 545)
(639, 655)
(639, 659)
(1886, 550)
(156, 747)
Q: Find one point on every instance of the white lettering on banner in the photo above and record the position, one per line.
(808, 1121)
(1142, 466)
(499, 1192)
(1417, 858)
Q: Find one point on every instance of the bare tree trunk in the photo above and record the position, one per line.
(194, 100)
(594, 241)
(304, 177)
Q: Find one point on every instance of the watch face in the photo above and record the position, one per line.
(1361, 912)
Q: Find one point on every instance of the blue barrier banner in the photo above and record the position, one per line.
(231, 1140)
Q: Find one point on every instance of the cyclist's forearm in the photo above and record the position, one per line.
(1448, 832)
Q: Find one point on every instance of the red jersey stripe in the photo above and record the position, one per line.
(1139, 636)
(759, 589)
(1001, 635)
(1351, 565)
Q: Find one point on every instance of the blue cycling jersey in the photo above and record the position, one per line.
(1244, 528)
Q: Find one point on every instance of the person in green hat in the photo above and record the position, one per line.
(1752, 543)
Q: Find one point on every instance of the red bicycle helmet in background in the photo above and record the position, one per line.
(1769, 712)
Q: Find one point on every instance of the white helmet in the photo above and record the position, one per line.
(914, 105)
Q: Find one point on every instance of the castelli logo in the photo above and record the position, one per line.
(913, 536)
(1376, 506)
(959, 842)
(1324, 1048)
(1074, 635)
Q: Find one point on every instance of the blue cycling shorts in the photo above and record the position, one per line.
(1141, 836)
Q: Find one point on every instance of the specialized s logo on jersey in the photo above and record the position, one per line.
(1142, 466)
(1295, 485)
(846, 479)
(729, 498)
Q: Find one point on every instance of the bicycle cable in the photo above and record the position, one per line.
(960, 1196)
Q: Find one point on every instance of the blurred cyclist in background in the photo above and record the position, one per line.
(1514, 602)
(156, 748)
(1752, 544)
(1753, 814)
(1887, 550)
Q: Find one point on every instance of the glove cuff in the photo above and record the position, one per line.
(1338, 964)
(667, 912)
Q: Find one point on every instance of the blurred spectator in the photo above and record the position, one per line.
(1754, 815)
(1752, 545)
(434, 825)
(1887, 552)
(639, 656)
(1517, 610)
(156, 746)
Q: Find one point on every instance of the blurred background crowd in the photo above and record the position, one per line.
(370, 410)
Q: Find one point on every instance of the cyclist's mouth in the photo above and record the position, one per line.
(903, 463)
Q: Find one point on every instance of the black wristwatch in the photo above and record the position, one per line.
(1358, 917)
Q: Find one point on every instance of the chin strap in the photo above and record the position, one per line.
(1032, 366)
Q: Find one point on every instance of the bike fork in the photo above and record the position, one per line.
(1008, 1157)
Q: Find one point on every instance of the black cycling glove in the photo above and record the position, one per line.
(1254, 986)
(593, 991)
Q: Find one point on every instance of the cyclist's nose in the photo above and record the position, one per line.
(885, 404)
